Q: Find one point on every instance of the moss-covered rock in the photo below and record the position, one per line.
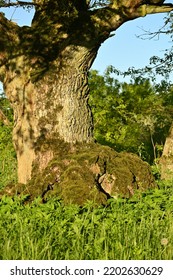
(90, 172)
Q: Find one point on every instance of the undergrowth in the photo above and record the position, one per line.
(136, 228)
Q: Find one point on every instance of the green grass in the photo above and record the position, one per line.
(136, 228)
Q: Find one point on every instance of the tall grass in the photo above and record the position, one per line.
(136, 228)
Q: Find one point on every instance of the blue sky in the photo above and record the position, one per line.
(126, 50)
(122, 50)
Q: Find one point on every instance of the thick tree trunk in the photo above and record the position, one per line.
(49, 110)
(166, 161)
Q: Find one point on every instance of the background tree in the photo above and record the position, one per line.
(44, 71)
(162, 66)
(134, 116)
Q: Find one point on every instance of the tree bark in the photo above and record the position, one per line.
(54, 107)
(166, 161)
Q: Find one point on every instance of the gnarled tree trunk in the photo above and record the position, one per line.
(54, 107)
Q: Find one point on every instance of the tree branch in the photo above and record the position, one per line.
(118, 12)
(107, 19)
(4, 4)
(8, 38)
(154, 9)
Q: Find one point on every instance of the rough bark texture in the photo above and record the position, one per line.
(166, 161)
(44, 72)
(54, 107)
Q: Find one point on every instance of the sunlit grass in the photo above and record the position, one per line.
(137, 228)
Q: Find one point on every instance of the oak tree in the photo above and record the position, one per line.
(44, 70)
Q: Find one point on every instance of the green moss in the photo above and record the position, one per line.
(88, 172)
(56, 145)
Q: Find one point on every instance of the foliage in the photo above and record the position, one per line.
(164, 65)
(133, 116)
(7, 153)
(127, 229)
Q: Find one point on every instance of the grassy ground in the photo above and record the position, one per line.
(137, 228)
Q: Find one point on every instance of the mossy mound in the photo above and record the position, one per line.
(90, 173)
